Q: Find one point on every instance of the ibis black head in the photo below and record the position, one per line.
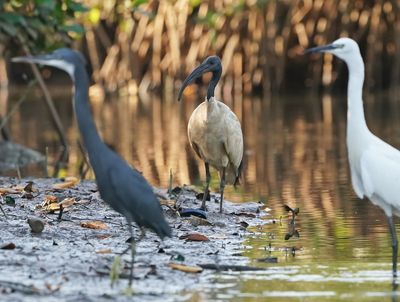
(211, 64)
(63, 58)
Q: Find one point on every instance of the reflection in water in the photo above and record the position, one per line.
(295, 154)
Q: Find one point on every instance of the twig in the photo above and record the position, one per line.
(227, 267)
(50, 104)
(61, 212)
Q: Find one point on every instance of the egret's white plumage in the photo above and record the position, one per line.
(374, 164)
(214, 131)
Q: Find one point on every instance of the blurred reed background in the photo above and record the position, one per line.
(260, 42)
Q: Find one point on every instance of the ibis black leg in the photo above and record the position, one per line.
(208, 179)
(221, 188)
(392, 228)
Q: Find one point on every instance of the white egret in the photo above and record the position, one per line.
(374, 164)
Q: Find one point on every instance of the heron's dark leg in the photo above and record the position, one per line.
(132, 253)
(221, 188)
(392, 228)
(208, 179)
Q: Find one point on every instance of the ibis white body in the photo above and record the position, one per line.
(214, 130)
(216, 136)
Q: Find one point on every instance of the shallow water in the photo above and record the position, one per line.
(295, 155)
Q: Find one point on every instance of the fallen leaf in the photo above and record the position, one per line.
(29, 187)
(104, 251)
(69, 182)
(168, 202)
(185, 268)
(13, 190)
(8, 246)
(67, 202)
(51, 205)
(94, 225)
(194, 237)
(48, 199)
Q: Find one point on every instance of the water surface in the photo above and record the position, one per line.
(295, 154)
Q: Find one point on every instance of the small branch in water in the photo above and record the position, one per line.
(50, 104)
(5, 119)
(227, 267)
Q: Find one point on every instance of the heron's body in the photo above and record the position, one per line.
(120, 186)
(374, 164)
(214, 131)
(215, 134)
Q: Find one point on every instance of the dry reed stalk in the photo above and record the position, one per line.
(157, 42)
(93, 54)
(173, 37)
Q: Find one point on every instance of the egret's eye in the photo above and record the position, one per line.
(339, 46)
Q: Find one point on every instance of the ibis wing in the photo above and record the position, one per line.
(234, 140)
(380, 175)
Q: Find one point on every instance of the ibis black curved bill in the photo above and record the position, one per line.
(323, 48)
(195, 74)
(211, 64)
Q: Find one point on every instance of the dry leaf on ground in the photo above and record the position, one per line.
(68, 183)
(104, 251)
(185, 268)
(99, 225)
(52, 205)
(168, 202)
(194, 237)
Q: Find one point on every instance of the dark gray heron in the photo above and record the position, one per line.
(214, 131)
(120, 186)
(374, 164)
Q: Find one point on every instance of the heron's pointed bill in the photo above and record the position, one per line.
(195, 74)
(323, 48)
(48, 60)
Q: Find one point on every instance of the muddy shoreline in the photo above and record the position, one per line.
(69, 261)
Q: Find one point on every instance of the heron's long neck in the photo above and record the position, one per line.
(87, 127)
(213, 83)
(355, 111)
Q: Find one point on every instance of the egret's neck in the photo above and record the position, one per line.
(355, 111)
(87, 127)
